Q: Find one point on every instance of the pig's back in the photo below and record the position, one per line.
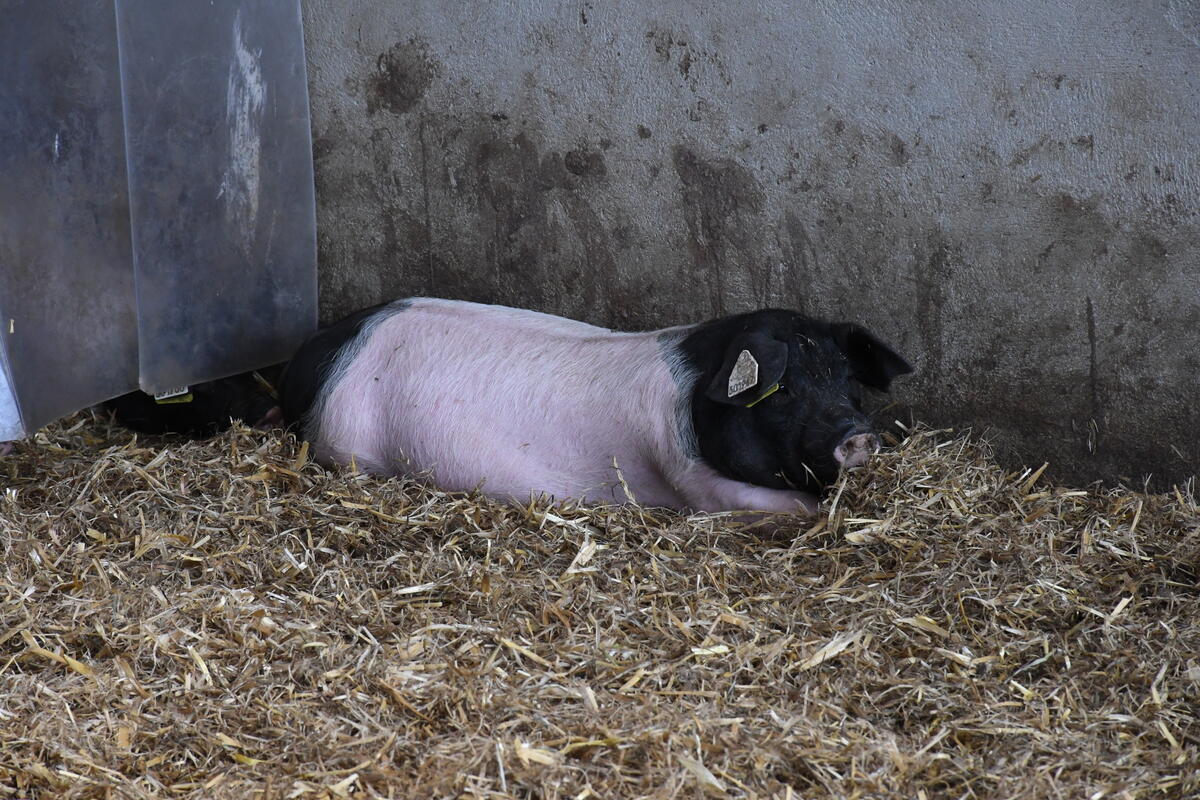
(521, 401)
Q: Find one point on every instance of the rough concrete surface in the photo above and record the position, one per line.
(1007, 191)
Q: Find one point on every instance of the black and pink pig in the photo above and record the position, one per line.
(757, 411)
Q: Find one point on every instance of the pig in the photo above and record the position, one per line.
(752, 412)
(209, 409)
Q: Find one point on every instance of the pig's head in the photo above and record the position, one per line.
(778, 400)
(209, 410)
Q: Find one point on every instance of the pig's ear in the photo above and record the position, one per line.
(872, 362)
(754, 364)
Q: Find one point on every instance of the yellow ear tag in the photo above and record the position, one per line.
(768, 393)
(179, 398)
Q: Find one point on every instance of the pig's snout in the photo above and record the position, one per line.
(855, 449)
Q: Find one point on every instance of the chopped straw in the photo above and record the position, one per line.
(228, 620)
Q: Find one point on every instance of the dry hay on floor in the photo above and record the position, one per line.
(222, 620)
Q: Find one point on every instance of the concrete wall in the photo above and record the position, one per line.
(1006, 190)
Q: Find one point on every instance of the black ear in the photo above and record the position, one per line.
(872, 362)
(754, 363)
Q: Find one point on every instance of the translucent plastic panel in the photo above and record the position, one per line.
(67, 325)
(220, 185)
(10, 416)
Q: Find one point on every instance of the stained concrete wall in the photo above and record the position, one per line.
(1006, 190)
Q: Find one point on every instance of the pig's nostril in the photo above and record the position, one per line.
(856, 449)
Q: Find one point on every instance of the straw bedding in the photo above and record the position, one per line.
(224, 620)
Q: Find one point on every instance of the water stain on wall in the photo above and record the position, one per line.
(532, 206)
(899, 151)
(934, 264)
(694, 61)
(722, 203)
(802, 264)
(585, 163)
(401, 77)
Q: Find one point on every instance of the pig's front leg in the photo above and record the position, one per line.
(728, 495)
